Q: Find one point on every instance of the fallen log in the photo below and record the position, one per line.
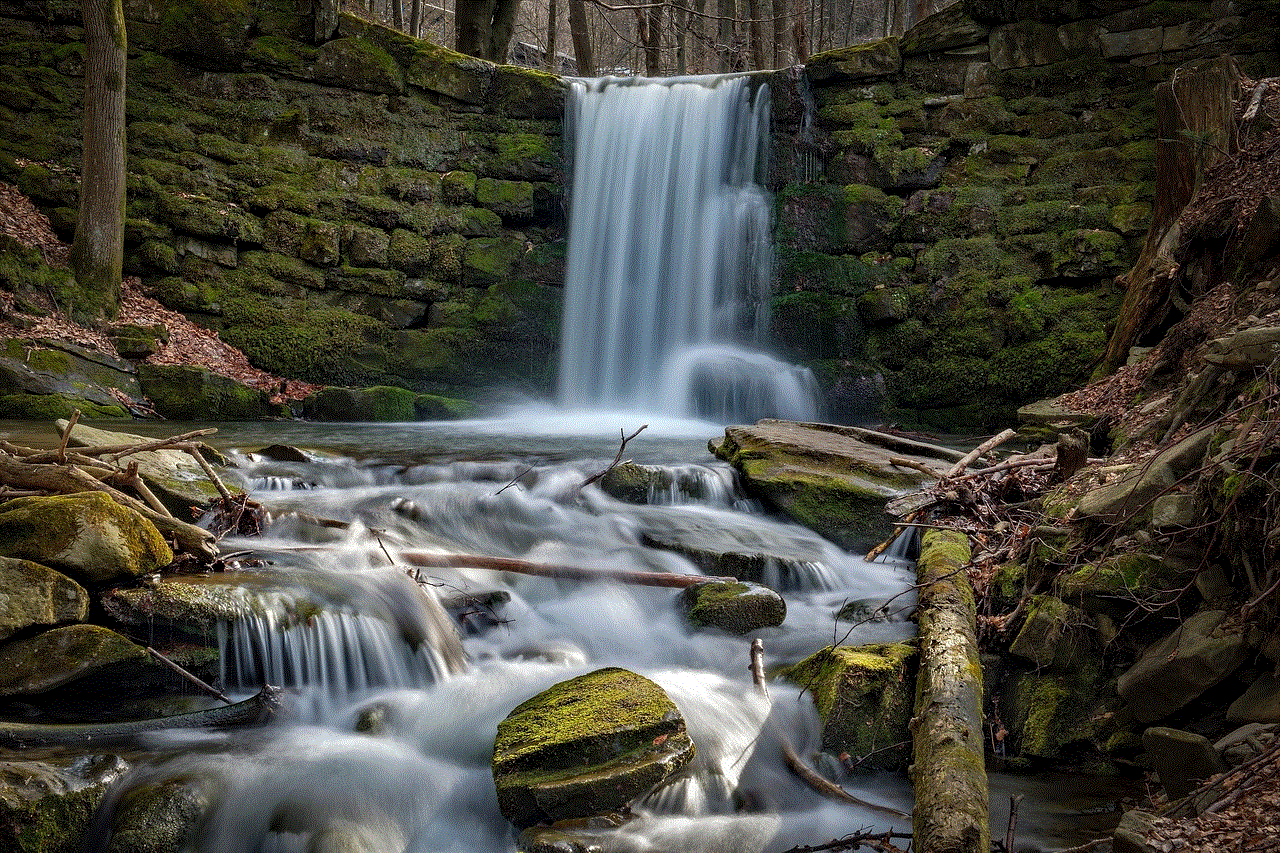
(254, 711)
(948, 775)
(986, 446)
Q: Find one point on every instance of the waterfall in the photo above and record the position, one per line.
(670, 262)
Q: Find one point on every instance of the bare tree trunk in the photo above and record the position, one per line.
(680, 19)
(649, 27)
(397, 15)
(1195, 127)
(582, 53)
(97, 255)
(726, 35)
(502, 29)
(326, 20)
(700, 60)
(553, 21)
(754, 10)
(779, 24)
(472, 22)
(798, 35)
(415, 18)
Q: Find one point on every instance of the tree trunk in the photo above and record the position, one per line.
(799, 37)
(779, 31)
(326, 21)
(726, 34)
(1195, 127)
(415, 18)
(649, 26)
(501, 29)
(754, 10)
(397, 15)
(553, 16)
(680, 19)
(473, 21)
(582, 54)
(97, 254)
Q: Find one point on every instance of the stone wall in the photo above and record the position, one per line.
(954, 205)
(366, 210)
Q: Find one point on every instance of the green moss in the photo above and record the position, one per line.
(432, 407)
(49, 407)
(508, 199)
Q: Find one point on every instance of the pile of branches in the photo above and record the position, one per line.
(29, 472)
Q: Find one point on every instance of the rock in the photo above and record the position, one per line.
(587, 746)
(283, 453)
(160, 816)
(61, 368)
(1245, 742)
(946, 30)
(41, 663)
(87, 535)
(1253, 347)
(1174, 511)
(175, 478)
(189, 393)
(1181, 667)
(1024, 44)
(1262, 236)
(355, 405)
(863, 695)
(1053, 633)
(861, 62)
(1182, 759)
(1131, 834)
(1053, 417)
(832, 483)
(1260, 703)
(189, 609)
(47, 806)
(634, 483)
(1127, 498)
(1119, 583)
(31, 594)
(738, 608)
(137, 342)
(1050, 711)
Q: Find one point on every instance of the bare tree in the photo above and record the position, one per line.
(483, 28)
(97, 254)
(582, 53)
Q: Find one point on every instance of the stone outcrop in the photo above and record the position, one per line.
(736, 607)
(88, 535)
(50, 660)
(587, 746)
(44, 379)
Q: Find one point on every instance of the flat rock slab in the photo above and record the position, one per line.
(176, 478)
(829, 481)
(587, 746)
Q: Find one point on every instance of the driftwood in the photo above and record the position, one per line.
(175, 668)
(986, 446)
(617, 457)
(257, 710)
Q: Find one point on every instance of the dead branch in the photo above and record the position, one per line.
(826, 787)
(757, 667)
(1255, 103)
(1014, 799)
(899, 462)
(66, 434)
(617, 458)
(986, 446)
(168, 664)
(194, 450)
(882, 841)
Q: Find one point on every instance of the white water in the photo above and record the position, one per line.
(670, 263)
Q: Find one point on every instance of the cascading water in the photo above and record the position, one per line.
(670, 262)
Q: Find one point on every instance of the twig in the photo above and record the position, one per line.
(66, 435)
(900, 528)
(757, 667)
(131, 479)
(989, 444)
(616, 459)
(855, 841)
(1086, 847)
(914, 465)
(825, 786)
(1014, 799)
(212, 691)
(516, 479)
(850, 764)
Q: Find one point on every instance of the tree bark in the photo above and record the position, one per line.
(415, 18)
(326, 21)
(799, 37)
(1195, 127)
(649, 26)
(779, 31)
(473, 23)
(97, 254)
(502, 28)
(726, 35)
(680, 21)
(582, 53)
(755, 8)
(553, 16)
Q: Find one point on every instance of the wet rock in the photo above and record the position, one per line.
(864, 697)
(1260, 703)
(635, 483)
(189, 393)
(1131, 834)
(355, 405)
(1050, 710)
(160, 816)
(1132, 495)
(344, 836)
(31, 594)
(61, 368)
(88, 535)
(1182, 759)
(41, 663)
(587, 746)
(1182, 666)
(830, 482)
(738, 608)
(178, 608)
(47, 806)
(283, 453)
(1052, 633)
(175, 478)
(861, 62)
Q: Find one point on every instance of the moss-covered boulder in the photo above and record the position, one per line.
(828, 481)
(188, 609)
(41, 663)
(32, 594)
(736, 607)
(1123, 583)
(161, 816)
(31, 370)
(87, 535)
(190, 393)
(46, 806)
(587, 746)
(863, 695)
(175, 478)
(379, 403)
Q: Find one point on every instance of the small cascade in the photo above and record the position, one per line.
(670, 261)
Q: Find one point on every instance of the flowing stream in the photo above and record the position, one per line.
(391, 721)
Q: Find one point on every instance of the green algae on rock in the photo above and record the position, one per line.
(863, 695)
(47, 806)
(587, 746)
(87, 535)
(732, 606)
(186, 392)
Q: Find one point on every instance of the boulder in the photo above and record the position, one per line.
(356, 405)
(863, 695)
(88, 535)
(1133, 494)
(1260, 703)
(61, 368)
(1182, 759)
(136, 341)
(284, 453)
(1117, 585)
(32, 594)
(41, 663)
(1246, 742)
(1131, 834)
(1046, 418)
(46, 806)
(160, 816)
(1053, 633)
(946, 30)
(189, 393)
(738, 608)
(858, 63)
(1182, 666)
(1253, 347)
(189, 609)
(175, 478)
(587, 746)
(824, 478)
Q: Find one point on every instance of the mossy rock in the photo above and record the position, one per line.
(635, 484)
(35, 595)
(863, 695)
(587, 746)
(859, 63)
(48, 806)
(378, 403)
(174, 476)
(188, 393)
(190, 610)
(88, 535)
(161, 816)
(360, 64)
(1050, 712)
(47, 407)
(67, 373)
(1122, 583)
(732, 606)
(61, 656)
(433, 407)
